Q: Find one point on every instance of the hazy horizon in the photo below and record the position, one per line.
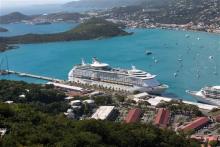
(23, 3)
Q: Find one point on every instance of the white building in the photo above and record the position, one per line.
(67, 87)
(75, 103)
(103, 112)
(141, 95)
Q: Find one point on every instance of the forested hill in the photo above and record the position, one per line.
(93, 28)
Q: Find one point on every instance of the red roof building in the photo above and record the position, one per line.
(133, 115)
(217, 118)
(162, 118)
(196, 124)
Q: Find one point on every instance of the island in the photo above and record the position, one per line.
(93, 28)
(14, 17)
(17, 17)
(3, 29)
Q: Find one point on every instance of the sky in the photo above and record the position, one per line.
(21, 3)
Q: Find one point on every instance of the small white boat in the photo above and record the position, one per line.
(187, 36)
(148, 52)
(211, 57)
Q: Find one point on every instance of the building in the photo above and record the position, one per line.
(206, 139)
(76, 103)
(196, 124)
(103, 113)
(133, 115)
(141, 95)
(217, 118)
(66, 87)
(2, 131)
(162, 118)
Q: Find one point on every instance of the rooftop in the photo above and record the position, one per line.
(162, 117)
(133, 115)
(141, 95)
(66, 86)
(103, 112)
(201, 121)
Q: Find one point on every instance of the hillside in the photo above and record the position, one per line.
(100, 4)
(204, 13)
(91, 29)
(3, 29)
(37, 120)
(13, 17)
(51, 17)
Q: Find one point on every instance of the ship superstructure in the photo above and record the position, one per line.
(102, 74)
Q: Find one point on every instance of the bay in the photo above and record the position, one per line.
(187, 57)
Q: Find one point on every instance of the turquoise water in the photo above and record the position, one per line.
(21, 28)
(56, 59)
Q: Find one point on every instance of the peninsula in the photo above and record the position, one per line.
(94, 28)
(3, 29)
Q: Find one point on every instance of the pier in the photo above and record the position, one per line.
(23, 74)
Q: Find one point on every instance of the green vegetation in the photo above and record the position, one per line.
(35, 120)
(13, 17)
(43, 98)
(178, 107)
(91, 29)
(3, 29)
(28, 127)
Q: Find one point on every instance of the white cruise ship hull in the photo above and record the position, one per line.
(117, 87)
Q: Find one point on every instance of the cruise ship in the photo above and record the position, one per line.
(101, 74)
(208, 95)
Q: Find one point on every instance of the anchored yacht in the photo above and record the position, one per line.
(101, 74)
(207, 95)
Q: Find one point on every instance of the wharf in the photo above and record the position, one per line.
(156, 100)
(23, 74)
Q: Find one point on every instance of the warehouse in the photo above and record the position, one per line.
(196, 124)
(133, 115)
(162, 118)
(104, 112)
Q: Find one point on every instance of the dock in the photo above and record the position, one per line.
(23, 74)
(156, 100)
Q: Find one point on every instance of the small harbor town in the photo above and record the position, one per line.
(110, 73)
(100, 93)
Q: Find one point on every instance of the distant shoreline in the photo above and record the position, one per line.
(176, 27)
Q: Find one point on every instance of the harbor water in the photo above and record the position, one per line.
(181, 59)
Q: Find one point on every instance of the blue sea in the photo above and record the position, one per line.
(195, 60)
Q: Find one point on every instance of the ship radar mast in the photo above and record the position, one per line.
(94, 60)
(83, 62)
(133, 67)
